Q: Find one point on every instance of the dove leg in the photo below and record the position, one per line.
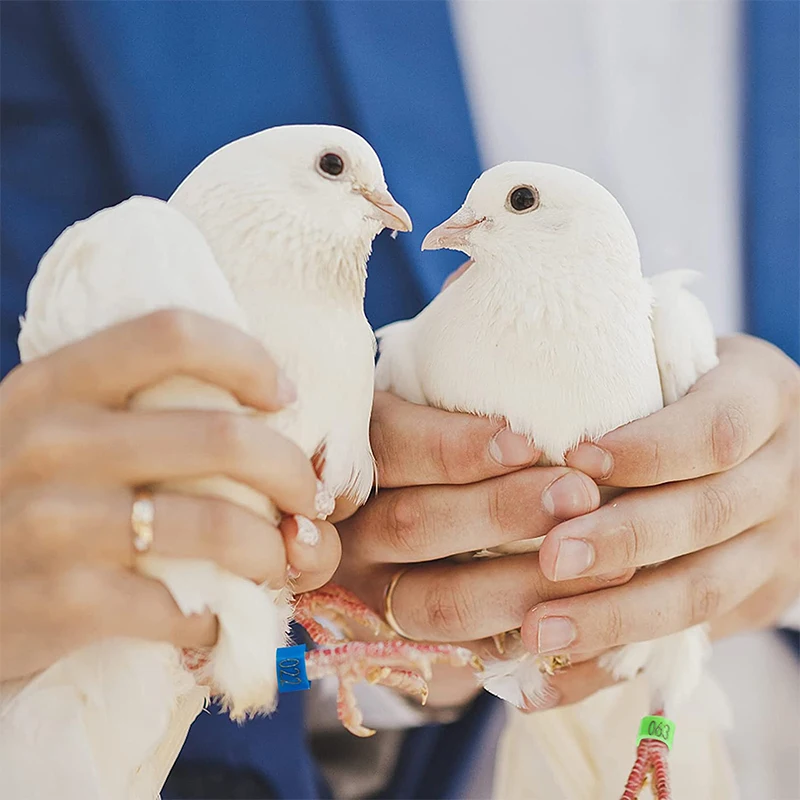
(652, 757)
(340, 607)
(391, 661)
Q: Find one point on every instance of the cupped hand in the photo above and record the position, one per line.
(452, 484)
(716, 477)
(71, 456)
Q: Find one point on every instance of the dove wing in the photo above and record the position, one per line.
(685, 344)
(396, 371)
(130, 260)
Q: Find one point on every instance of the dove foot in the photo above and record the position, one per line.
(398, 663)
(341, 608)
(651, 761)
(391, 661)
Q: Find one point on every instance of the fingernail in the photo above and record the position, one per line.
(574, 557)
(555, 634)
(567, 496)
(307, 532)
(324, 501)
(592, 460)
(286, 391)
(512, 450)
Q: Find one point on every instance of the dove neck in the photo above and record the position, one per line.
(313, 268)
(559, 293)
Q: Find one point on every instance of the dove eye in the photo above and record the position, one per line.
(331, 164)
(522, 199)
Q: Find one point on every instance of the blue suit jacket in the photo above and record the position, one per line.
(104, 100)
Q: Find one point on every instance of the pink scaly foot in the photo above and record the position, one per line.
(652, 757)
(340, 607)
(386, 663)
(638, 773)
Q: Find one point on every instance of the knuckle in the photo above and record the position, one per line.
(45, 445)
(614, 627)
(497, 504)
(26, 382)
(406, 524)
(79, 593)
(46, 521)
(227, 437)
(729, 435)
(453, 450)
(379, 441)
(633, 541)
(713, 512)
(705, 597)
(174, 331)
(443, 457)
(221, 522)
(450, 615)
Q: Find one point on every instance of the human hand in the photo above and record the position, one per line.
(452, 484)
(716, 479)
(71, 455)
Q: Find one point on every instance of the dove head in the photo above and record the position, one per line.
(542, 218)
(297, 203)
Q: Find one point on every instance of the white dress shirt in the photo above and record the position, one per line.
(644, 97)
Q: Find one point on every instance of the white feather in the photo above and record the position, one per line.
(554, 328)
(126, 705)
(294, 247)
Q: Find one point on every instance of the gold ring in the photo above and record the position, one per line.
(143, 513)
(388, 613)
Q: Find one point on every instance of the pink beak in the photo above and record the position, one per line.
(389, 211)
(452, 234)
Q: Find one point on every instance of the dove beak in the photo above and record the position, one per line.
(452, 233)
(389, 211)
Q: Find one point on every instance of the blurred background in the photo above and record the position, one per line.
(687, 110)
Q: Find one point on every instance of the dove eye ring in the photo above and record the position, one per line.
(522, 199)
(330, 165)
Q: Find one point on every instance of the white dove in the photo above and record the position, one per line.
(108, 720)
(290, 214)
(554, 329)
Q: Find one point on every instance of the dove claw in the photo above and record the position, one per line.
(324, 501)
(384, 662)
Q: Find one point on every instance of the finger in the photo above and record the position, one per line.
(111, 366)
(455, 602)
(647, 526)
(67, 524)
(431, 522)
(512, 647)
(155, 614)
(577, 683)
(315, 557)
(415, 445)
(84, 604)
(118, 447)
(731, 412)
(657, 602)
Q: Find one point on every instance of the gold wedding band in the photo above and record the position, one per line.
(143, 513)
(388, 612)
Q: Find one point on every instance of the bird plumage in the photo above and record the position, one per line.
(294, 245)
(130, 702)
(554, 329)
